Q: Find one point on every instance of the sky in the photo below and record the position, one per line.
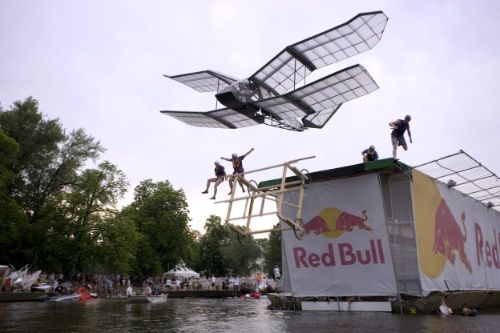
(99, 65)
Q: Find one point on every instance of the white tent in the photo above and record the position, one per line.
(181, 271)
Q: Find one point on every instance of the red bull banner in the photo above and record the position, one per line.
(345, 250)
(458, 239)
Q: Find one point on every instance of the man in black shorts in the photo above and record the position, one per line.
(399, 127)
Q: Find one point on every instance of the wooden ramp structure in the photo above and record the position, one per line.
(254, 200)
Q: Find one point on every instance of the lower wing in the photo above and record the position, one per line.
(220, 118)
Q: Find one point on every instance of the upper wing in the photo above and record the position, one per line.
(318, 101)
(204, 81)
(220, 118)
(296, 61)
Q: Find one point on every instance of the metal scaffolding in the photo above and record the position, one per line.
(467, 175)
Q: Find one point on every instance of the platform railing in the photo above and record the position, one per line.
(256, 198)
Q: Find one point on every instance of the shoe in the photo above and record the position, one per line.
(212, 198)
(243, 190)
(204, 192)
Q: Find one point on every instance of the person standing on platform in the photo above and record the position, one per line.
(238, 167)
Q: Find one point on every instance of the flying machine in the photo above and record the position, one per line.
(270, 96)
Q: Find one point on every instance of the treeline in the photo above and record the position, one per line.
(60, 215)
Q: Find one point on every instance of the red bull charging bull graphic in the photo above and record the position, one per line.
(341, 221)
(448, 236)
(457, 239)
(345, 250)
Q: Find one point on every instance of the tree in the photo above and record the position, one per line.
(221, 254)
(241, 259)
(161, 216)
(117, 245)
(211, 260)
(79, 225)
(272, 256)
(48, 159)
(12, 221)
(63, 205)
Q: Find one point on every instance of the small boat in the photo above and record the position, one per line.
(147, 299)
(65, 298)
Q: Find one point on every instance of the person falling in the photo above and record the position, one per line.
(220, 173)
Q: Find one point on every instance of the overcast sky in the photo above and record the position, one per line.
(98, 65)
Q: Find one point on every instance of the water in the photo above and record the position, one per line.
(220, 315)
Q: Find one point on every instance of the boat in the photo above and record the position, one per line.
(23, 296)
(147, 299)
(65, 298)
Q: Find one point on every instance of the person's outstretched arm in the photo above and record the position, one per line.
(409, 133)
(248, 152)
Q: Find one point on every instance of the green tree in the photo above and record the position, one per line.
(222, 254)
(212, 260)
(78, 224)
(64, 206)
(241, 259)
(48, 159)
(12, 220)
(117, 245)
(272, 255)
(161, 217)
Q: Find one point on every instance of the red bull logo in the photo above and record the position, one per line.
(346, 222)
(441, 237)
(316, 225)
(332, 222)
(448, 236)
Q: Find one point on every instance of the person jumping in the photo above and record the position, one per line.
(220, 173)
(399, 128)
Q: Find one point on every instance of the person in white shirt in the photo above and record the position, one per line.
(276, 272)
(236, 283)
(130, 292)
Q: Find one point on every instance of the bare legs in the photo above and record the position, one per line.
(231, 182)
(217, 181)
(394, 149)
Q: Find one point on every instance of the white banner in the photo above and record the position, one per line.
(458, 239)
(345, 251)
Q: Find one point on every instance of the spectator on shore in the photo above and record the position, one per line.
(236, 284)
(276, 273)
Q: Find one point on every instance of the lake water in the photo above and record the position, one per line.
(220, 315)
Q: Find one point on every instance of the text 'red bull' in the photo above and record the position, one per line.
(448, 235)
(346, 255)
(487, 252)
